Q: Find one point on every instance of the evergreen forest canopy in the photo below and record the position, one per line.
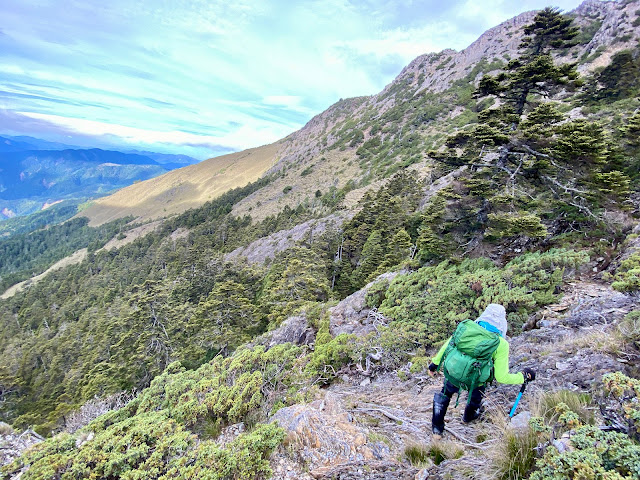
(535, 193)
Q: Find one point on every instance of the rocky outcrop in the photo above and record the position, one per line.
(435, 72)
(325, 435)
(12, 443)
(352, 315)
(575, 344)
(294, 330)
(616, 31)
(267, 247)
(604, 309)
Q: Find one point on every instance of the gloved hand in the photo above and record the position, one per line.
(529, 374)
(433, 367)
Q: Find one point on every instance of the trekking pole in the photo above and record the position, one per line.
(515, 405)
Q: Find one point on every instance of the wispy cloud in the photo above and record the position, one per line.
(212, 72)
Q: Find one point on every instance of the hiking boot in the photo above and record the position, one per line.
(471, 413)
(440, 405)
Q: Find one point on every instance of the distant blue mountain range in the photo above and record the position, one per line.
(36, 173)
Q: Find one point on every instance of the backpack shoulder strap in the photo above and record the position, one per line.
(452, 342)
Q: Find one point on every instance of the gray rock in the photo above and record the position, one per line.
(367, 471)
(352, 315)
(422, 474)
(602, 309)
(325, 434)
(521, 420)
(14, 443)
(265, 248)
(560, 445)
(294, 330)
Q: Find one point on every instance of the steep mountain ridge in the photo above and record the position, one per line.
(362, 255)
(416, 102)
(337, 133)
(617, 30)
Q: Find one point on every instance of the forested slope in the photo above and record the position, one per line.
(533, 182)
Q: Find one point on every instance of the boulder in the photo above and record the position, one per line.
(352, 315)
(521, 420)
(294, 330)
(325, 435)
(606, 308)
(12, 443)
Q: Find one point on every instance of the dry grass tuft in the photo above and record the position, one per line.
(6, 429)
(545, 406)
(514, 455)
(418, 455)
(441, 450)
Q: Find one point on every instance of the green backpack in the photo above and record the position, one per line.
(467, 361)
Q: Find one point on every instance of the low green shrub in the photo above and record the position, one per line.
(166, 431)
(626, 393)
(596, 454)
(149, 446)
(588, 451)
(627, 277)
(330, 353)
(430, 302)
(225, 388)
(505, 225)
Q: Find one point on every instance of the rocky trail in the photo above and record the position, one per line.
(363, 427)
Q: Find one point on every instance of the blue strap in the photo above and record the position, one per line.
(489, 327)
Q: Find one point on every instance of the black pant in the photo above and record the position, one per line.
(477, 394)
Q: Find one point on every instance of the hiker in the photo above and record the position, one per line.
(490, 359)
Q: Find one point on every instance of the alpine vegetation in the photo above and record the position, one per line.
(437, 281)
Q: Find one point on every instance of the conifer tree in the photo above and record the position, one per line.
(399, 248)
(298, 279)
(534, 71)
(226, 318)
(431, 243)
(524, 150)
(371, 258)
(630, 138)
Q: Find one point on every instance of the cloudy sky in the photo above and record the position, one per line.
(206, 77)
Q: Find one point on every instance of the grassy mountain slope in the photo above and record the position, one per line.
(431, 98)
(185, 188)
